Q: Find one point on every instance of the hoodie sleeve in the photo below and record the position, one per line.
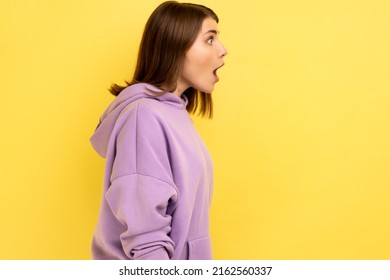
(139, 203)
(142, 187)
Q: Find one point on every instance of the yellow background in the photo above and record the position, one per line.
(300, 138)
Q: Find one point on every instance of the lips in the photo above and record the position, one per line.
(215, 70)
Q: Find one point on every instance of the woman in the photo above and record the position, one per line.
(158, 176)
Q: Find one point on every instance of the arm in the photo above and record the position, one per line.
(139, 203)
(142, 185)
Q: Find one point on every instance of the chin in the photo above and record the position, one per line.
(207, 90)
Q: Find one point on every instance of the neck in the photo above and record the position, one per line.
(181, 87)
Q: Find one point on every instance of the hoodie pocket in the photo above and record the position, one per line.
(200, 249)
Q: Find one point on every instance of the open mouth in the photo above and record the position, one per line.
(215, 70)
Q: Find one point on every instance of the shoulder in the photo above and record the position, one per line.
(149, 112)
(144, 107)
(143, 116)
(148, 106)
(160, 110)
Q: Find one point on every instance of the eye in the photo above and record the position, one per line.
(210, 40)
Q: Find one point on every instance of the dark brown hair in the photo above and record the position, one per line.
(169, 33)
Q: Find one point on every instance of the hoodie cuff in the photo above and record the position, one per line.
(158, 254)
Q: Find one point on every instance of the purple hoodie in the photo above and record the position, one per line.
(158, 180)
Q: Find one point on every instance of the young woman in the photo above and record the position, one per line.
(158, 176)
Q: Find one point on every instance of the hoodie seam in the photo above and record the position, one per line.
(136, 156)
(136, 138)
(150, 176)
(174, 105)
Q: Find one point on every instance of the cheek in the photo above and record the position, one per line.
(192, 71)
(199, 66)
(198, 58)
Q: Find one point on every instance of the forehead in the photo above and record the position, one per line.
(209, 24)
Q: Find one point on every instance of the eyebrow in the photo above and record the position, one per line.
(212, 31)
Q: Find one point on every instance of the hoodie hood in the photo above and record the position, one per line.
(108, 119)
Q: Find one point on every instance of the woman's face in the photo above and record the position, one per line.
(202, 60)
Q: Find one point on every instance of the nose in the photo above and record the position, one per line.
(223, 50)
